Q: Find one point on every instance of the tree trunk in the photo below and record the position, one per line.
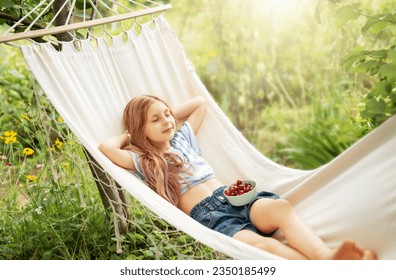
(61, 19)
(112, 194)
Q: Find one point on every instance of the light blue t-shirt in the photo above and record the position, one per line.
(185, 144)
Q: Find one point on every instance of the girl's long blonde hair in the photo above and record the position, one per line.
(161, 171)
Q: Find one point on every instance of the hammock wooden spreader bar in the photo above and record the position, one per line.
(81, 25)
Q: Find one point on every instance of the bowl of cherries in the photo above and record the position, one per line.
(241, 192)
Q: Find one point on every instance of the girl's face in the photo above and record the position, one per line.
(160, 125)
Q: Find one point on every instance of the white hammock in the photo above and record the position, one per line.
(352, 197)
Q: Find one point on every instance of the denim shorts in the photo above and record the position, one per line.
(215, 212)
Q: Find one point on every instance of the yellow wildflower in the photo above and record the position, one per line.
(211, 53)
(25, 117)
(10, 137)
(32, 178)
(60, 120)
(58, 143)
(28, 151)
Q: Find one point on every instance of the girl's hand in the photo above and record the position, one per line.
(112, 148)
(192, 111)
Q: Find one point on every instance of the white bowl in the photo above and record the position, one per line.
(242, 199)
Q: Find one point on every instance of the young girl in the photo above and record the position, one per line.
(160, 147)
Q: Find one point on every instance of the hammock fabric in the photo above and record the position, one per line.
(353, 197)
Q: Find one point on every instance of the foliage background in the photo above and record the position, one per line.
(302, 80)
(278, 71)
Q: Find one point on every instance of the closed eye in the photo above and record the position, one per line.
(165, 114)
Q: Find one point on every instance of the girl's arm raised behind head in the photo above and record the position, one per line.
(192, 111)
(112, 148)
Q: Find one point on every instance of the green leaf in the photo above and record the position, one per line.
(4, 27)
(347, 13)
(375, 24)
(393, 99)
(354, 55)
(378, 54)
(375, 107)
(148, 253)
(81, 4)
(371, 66)
(392, 56)
(381, 89)
(6, 4)
(388, 70)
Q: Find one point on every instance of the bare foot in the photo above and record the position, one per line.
(350, 251)
(369, 255)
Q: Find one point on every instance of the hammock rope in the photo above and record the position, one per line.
(123, 13)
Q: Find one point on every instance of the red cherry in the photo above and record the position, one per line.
(238, 182)
(241, 192)
(227, 192)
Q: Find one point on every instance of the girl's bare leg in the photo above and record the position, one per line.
(268, 215)
(269, 244)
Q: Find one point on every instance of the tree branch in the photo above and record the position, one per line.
(16, 19)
